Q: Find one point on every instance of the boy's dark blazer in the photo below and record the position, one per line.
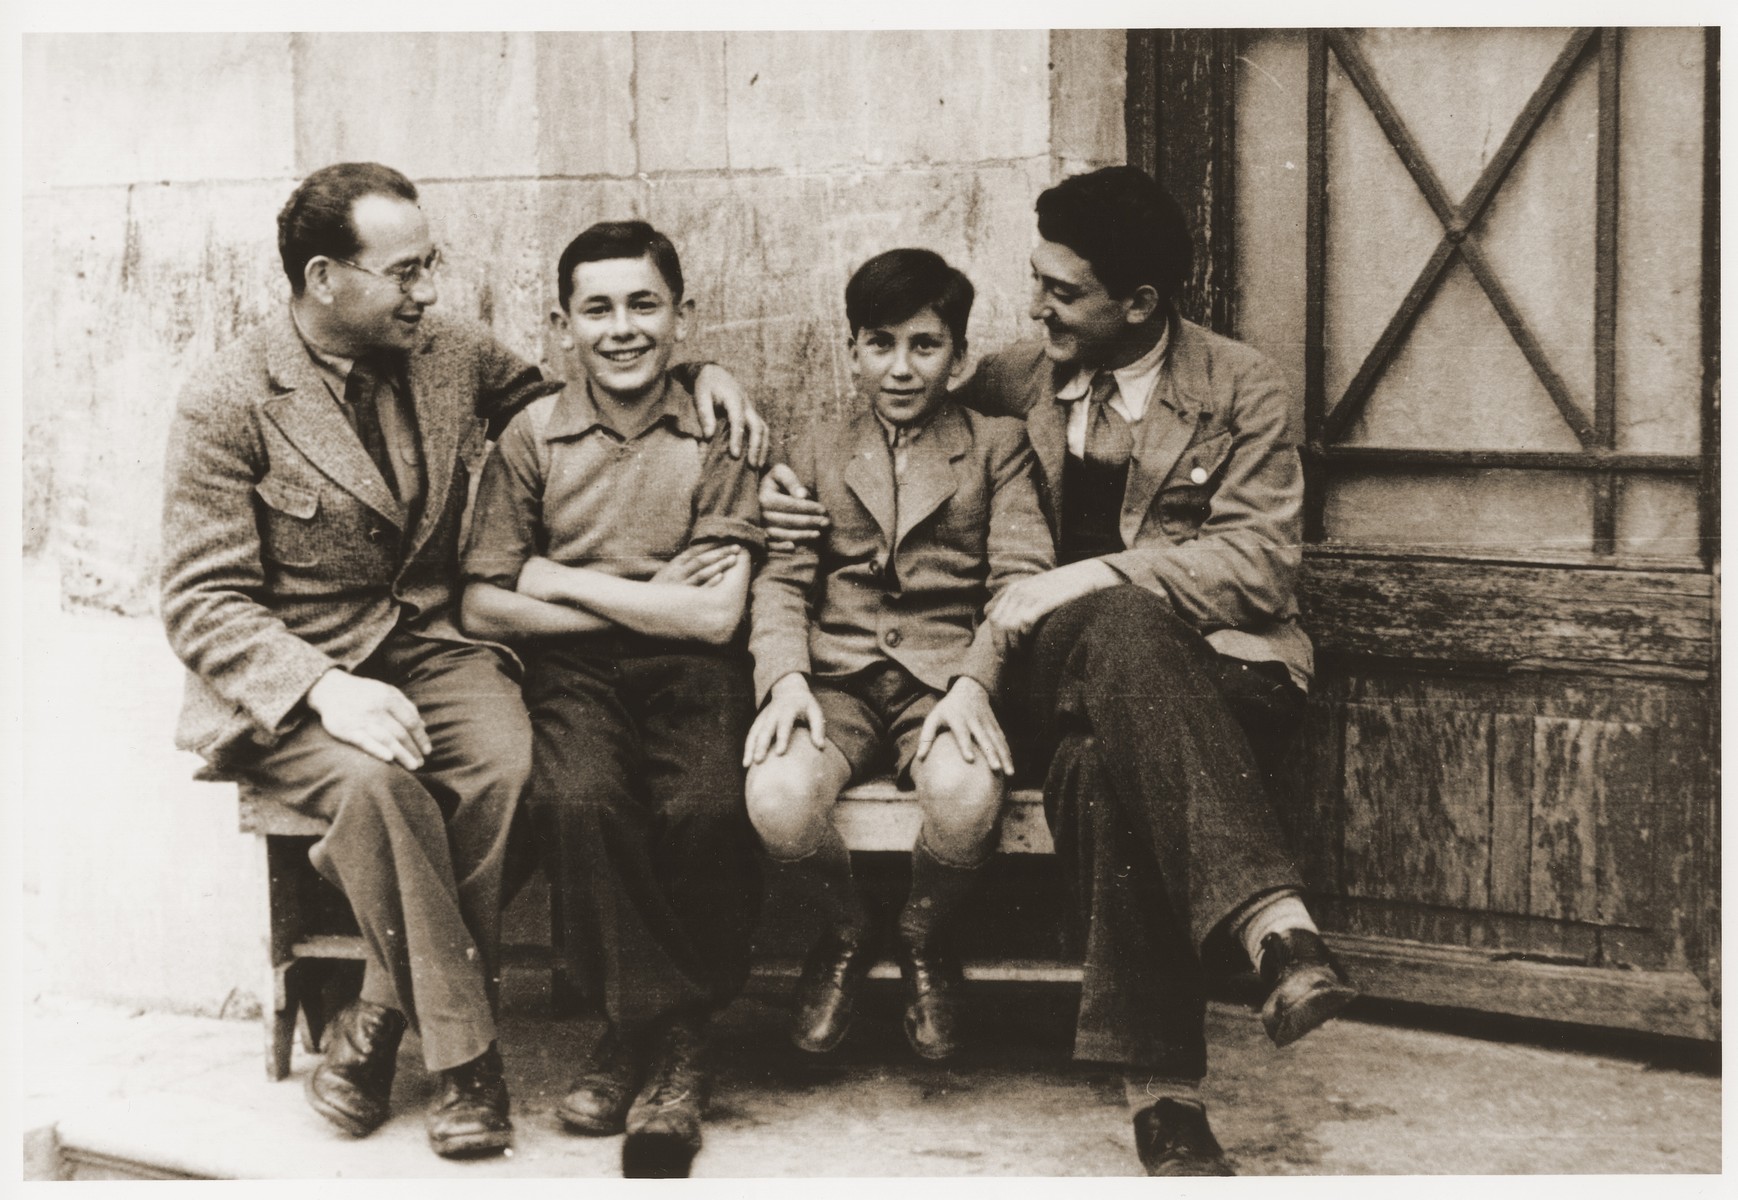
(905, 581)
(284, 552)
(1212, 515)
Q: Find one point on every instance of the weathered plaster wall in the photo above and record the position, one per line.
(154, 167)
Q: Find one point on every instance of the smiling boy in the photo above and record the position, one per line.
(874, 641)
(612, 542)
(1167, 670)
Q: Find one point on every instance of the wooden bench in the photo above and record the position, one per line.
(307, 969)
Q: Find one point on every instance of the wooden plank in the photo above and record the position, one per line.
(1593, 822)
(1504, 935)
(879, 817)
(331, 945)
(1628, 829)
(1511, 812)
(999, 970)
(1563, 880)
(1406, 608)
(1417, 800)
(1672, 1003)
(266, 817)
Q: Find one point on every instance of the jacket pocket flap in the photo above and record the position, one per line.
(1201, 461)
(289, 498)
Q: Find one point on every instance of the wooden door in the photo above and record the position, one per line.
(1489, 259)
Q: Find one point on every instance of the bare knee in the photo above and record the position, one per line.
(789, 801)
(961, 801)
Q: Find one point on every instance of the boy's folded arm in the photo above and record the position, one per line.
(488, 610)
(676, 611)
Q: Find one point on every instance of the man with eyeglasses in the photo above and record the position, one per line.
(318, 472)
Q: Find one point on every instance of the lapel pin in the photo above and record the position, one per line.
(1198, 475)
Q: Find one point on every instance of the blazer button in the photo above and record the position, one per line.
(891, 637)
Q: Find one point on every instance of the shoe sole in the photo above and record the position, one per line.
(590, 1126)
(474, 1145)
(657, 1156)
(1306, 1014)
(928, 1053)
(826, 1047)
(352, 1125)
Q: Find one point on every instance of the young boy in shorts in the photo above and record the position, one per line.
(875, 642)
(612, 541)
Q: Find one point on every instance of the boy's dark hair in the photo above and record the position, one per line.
(619, 239)
(1124, 224)
(316, 220)
(897, 285)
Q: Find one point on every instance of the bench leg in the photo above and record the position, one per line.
(280, 1018)
(326, 986)
(283, 913)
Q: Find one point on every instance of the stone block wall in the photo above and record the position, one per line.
(154, 169)
(154, 165)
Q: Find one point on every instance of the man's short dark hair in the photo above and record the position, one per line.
(898, 284)
(316, 220)
(1124, 224)
(619, 239)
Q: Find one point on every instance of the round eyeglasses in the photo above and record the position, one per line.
(405, 275)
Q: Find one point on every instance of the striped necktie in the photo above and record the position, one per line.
(1108, 440)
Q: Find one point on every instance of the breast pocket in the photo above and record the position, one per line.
(289, 522)
(1188, 490)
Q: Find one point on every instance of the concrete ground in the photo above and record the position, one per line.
(137, 1093)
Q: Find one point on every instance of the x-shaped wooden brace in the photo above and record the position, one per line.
(1458, 238)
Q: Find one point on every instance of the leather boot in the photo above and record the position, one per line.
(597, 1100)
(1173, 1138)
(826, 993)
(352, 1086)
(932, 973)
(664, 1123)
(469, 1117)
(1306, 986)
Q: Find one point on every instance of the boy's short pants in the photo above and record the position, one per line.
(875, 718)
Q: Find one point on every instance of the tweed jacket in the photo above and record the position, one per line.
(902, 574)
(1212, 512)
(285, 552)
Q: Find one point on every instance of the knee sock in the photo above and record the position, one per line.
(826, 872)
(1275, 912)
(937, 890)
(1143, 1089)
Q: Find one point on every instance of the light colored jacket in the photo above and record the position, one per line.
(285, 553)
(1212, 515)
(963, 523)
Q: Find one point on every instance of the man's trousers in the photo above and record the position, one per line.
(636, 804)
(1157, 807)
(419, 854)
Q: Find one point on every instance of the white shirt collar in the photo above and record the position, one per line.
(1134, 383)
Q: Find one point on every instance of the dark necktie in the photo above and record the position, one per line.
(1108, 440)
(362, 391)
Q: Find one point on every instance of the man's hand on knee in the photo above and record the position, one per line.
(1022, 604)
(374, 717)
